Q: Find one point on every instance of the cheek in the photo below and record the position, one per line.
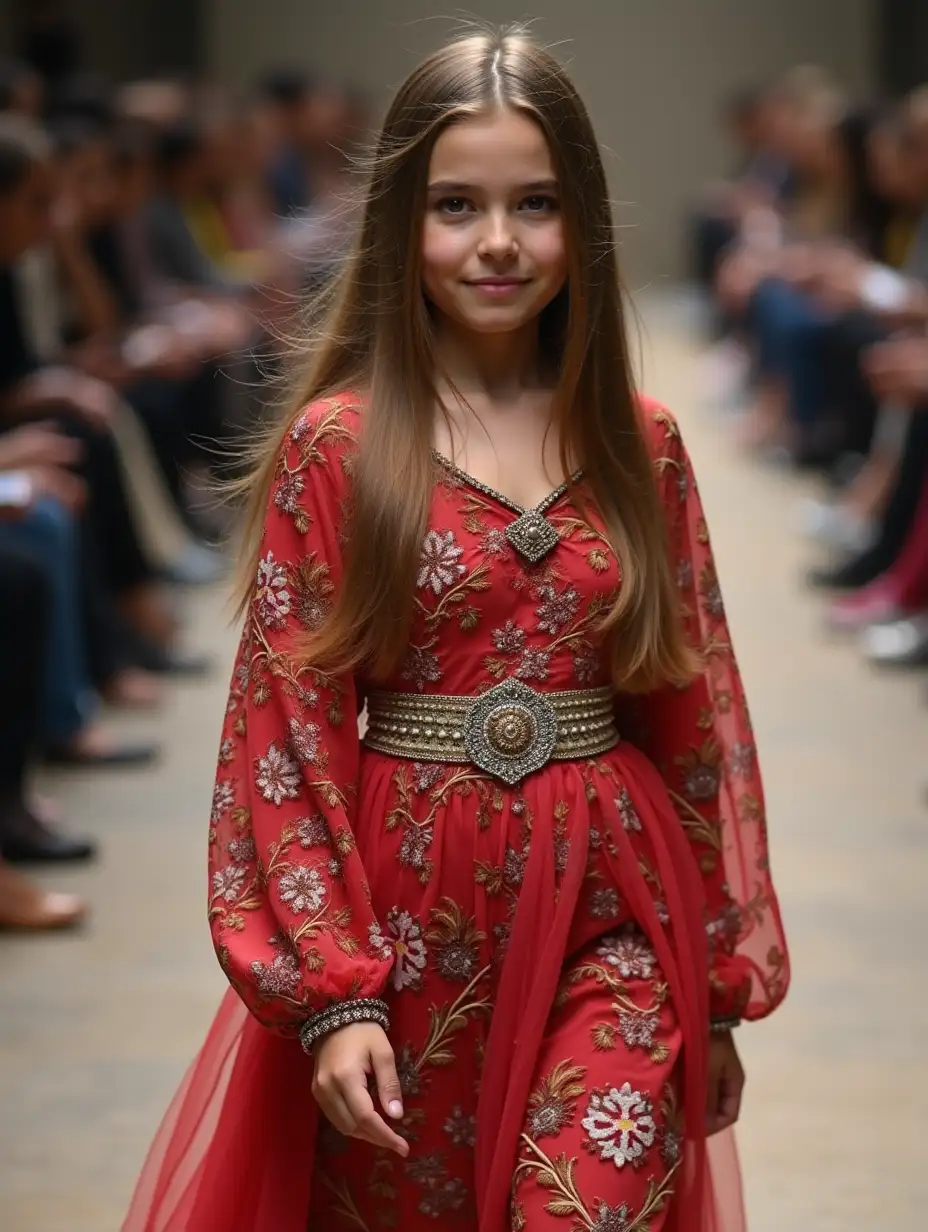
(549, 250)
(443, 249)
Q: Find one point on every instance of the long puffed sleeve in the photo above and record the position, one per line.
(701, 741)
(289, 901)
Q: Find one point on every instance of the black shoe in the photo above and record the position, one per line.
(169, 662)
(120, 756)
(37, 843)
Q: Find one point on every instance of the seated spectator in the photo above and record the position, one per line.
(21, 90)
(23, 600)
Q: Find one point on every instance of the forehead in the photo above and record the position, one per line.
(499, 148)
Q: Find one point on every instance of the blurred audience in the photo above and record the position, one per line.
(152, 241)
(814, 259)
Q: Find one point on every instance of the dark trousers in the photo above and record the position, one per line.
(24, 610)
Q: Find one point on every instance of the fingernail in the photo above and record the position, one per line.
(395, 1108)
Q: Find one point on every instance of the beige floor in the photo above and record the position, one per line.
(96, 1029)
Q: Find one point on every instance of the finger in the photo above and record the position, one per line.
(354, 1091)
(388, 1084)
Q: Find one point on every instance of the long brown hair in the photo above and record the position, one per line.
(376, 336)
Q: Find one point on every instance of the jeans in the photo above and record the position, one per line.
(48, 535)
(791, 333)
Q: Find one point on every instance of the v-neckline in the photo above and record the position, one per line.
(500, 497)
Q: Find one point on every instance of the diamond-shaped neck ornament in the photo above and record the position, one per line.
(532, 536)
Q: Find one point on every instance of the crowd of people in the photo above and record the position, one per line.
(153, 240)
(814, 256)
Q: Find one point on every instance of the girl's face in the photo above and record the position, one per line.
(493, 244)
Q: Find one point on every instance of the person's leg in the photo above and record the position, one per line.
(897, 521)
(69, 701)
(602, 1142)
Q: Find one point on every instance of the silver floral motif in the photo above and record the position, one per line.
(272, 598)
(534, 665)
(302, 889)
(288, 492)
(278, 776)
(637, 1030)
(223, 799)
(242, 850)
(630, 954)
(620, 1125)
(313, 832)
(605, 903)
(510, 639)
(440, 566)
(228, 882)
(280, 978)
(612, 1218)
(628, 812)
(304, 740)
(421, 667)
(557, 610)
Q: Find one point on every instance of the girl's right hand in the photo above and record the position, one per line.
(344, 1061)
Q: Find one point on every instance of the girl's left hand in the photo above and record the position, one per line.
(726, 1084)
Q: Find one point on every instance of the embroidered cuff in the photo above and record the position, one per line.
(343, 1014)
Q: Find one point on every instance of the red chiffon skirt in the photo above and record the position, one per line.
(235, 1151)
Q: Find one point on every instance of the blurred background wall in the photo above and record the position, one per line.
(652, 71)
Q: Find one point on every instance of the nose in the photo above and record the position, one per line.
(498, 239)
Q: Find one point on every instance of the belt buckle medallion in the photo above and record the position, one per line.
(511, 731)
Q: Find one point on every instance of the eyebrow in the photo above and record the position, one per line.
(458, 186)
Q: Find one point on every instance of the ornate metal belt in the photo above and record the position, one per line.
(510, 731)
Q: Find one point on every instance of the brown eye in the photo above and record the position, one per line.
(539, 204)
(453, 205)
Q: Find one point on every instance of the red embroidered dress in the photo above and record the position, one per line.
(552, 953)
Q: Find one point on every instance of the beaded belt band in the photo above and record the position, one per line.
(509, 731)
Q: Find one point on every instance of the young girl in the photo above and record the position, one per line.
(514, 923)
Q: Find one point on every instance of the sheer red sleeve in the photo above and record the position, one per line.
(289, 901)
(701, 741)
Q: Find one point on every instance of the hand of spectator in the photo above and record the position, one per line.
(34, 483)
(838, 285)
(161, 351)
(738, 277)
(37, 445)
(898, 370)
(92, 400)
(102, 362)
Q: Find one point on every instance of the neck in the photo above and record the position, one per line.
(496, 365)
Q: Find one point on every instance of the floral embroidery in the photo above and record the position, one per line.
(421, 667)
(288, 492)
(304, 740)
(408, 948)
(278, 776)
(604, 903)
(535, 665)
(630, 954)
(557, 610)
(313, 832)
(302, 889)
(638, 1029)
(223, 799)
(228, 882)
(461, 1127)
(620, 1125)
(243, 850)
(627, 811)
(440, 566)
(280, 978)
(272, 598)
(510, 639)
